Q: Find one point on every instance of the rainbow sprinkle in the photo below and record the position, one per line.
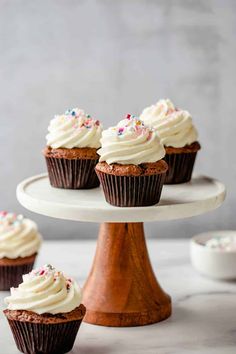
(83, 120)
(10, 220)
(134, 124)
(44, 270)
(47, 270)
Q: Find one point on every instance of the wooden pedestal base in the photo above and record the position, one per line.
(121, 289)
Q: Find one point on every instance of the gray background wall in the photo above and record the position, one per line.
(114, 57)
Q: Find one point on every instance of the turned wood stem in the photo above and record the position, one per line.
(121, 289)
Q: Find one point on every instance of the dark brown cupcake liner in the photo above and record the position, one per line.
(72, 173)
(11, 275)
(131, 191)
(41, 338)
(180, 167)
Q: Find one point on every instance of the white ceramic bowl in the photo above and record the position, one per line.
(214, 263)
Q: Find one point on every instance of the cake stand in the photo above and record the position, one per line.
(121, 289)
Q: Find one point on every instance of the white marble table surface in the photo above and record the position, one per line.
(204, 311)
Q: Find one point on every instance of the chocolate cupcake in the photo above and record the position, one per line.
(131, 169)
(71, 151)
(179, 136)
(19, 245)
(45, 312)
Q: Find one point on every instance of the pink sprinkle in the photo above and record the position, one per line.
(3, 213)
(120, 131)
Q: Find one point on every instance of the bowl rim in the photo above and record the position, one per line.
(195, 240)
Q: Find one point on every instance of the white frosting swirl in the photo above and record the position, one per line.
(45, 290)
(174, 126)
(74, 129)
(19, 237)
(130, 142)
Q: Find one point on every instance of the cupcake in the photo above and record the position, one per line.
(71, 152)
(19, 245)
(45, 312)
(179, 136)
(131, 168)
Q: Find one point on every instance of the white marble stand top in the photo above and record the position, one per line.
(203, 319)
(178, 201)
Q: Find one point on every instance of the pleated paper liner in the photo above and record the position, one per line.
(44, 338)
(131, 191)
(180, 167)
(11, 274)
(35, 338)
(72, 173)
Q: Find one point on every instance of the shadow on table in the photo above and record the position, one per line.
(90, 349)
